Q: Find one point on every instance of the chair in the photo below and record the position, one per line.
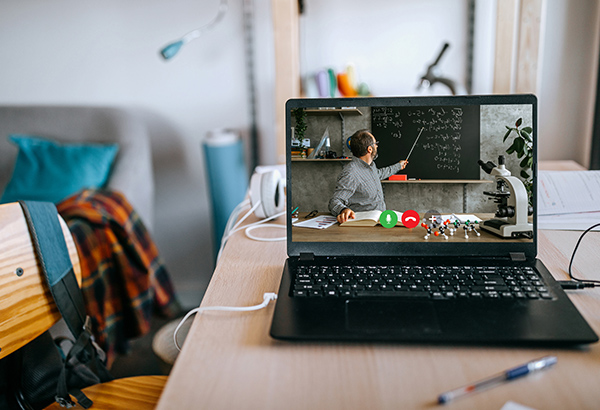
(27, 310)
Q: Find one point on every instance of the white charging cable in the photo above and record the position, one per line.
(267, 297)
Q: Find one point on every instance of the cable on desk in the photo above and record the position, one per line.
(230, 230)
(267, 297)
(257, 238)
(576, 283)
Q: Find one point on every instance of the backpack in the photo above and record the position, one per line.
(39, 373)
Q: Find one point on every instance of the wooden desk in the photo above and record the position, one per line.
(230, 362)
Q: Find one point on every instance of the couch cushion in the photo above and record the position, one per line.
(50, 171)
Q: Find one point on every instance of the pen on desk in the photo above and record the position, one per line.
(295, 209)
(493, 381)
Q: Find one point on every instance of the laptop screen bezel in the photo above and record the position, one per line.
(411, 249)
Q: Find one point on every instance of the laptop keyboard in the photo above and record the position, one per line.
(432, 282)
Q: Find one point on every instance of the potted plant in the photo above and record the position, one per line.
(522, 145)
(300, 127)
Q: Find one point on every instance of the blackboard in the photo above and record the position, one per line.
(447, 149)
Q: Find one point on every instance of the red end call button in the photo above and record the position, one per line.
(410, 218)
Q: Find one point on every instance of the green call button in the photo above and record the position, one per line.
(388, 219)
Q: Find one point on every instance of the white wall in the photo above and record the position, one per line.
(390, 43)
(566, 89)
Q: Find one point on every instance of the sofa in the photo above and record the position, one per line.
(131, 173)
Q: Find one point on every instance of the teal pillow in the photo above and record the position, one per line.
(49, 171)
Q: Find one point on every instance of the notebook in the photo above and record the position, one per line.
(460, 266)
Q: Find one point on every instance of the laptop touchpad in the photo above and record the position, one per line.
(392, 316)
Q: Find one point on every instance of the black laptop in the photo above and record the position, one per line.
(459, 265)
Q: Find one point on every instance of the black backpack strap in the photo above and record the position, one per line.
(52, 253)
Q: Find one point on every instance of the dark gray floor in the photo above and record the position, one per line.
(141, 360)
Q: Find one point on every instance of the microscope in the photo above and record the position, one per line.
(513, 205)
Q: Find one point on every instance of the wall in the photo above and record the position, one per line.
(567, 81)
(389, 43)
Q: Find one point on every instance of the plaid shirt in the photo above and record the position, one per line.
(359, 187)
(124, 279)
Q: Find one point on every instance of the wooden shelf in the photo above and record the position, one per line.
(334, 110)
(441, 181)
(321, 160)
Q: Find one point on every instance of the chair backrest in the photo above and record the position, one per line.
(27, 308)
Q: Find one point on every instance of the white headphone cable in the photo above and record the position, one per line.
(257, 238)
(230, 231)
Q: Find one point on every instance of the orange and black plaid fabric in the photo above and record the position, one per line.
(123, 277)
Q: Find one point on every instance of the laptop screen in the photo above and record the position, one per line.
(411, 175)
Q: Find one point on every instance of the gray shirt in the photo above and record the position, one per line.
(359, 187)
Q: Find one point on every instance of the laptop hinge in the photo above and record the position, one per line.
(517, 257)
(304, 256)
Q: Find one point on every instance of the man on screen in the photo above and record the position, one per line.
(358, 186)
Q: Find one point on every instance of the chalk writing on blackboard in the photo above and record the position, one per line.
(385, 117)
(440, 152)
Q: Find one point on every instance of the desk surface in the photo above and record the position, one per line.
(229, 361)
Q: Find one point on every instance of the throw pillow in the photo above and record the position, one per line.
(50, 171)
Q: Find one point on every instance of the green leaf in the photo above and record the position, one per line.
(519, 122)
(512, 148)
(519, 145)
(507, 134)
(528, 130)
(530, 162)
(524, 174)
(525, 135)
(524, 162)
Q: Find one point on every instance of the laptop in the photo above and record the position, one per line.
(454, 259)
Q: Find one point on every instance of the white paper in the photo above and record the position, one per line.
(320, 222)
(511, 405)
(462, 218)
(569, 222)
(568, 200)
(565, 192)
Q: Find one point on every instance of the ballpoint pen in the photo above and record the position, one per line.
(510, 374)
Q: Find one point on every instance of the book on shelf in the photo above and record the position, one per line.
(369, 218)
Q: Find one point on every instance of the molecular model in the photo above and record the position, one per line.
(468, 226)
(439, 228)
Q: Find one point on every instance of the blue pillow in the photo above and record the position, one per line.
(49, 171)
